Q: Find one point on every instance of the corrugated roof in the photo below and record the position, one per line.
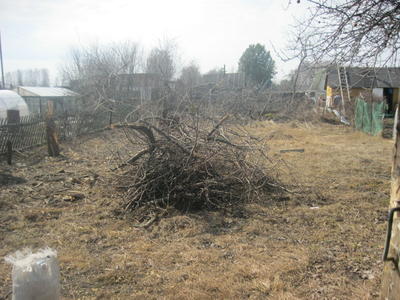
(49, 91)
(367, 77)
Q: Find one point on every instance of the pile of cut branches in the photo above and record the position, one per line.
(191, 166)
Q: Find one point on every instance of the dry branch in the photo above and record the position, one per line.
(192, 167)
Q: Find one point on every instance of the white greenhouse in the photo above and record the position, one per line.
(10, 100)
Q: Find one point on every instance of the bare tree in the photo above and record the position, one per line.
(162, 60)
(95, 70)
(190, 75)
(352, 31)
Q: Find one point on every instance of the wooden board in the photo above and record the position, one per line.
(391, 274)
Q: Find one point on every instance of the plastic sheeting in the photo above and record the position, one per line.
(11, 100)
(369, 116)
(35, 275)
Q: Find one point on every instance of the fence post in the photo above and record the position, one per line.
(396, 114)
(50, 107)
(51, 134)
(13, 119)
(9, 152)
(372, 118)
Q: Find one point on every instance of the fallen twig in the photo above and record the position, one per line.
(291, 150)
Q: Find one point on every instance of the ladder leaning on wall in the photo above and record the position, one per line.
(343, 85)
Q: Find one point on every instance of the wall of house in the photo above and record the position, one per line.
(357, 92)
(354, 92)
(329, 91)
(396, 96)
(33, 104)
(38, 105)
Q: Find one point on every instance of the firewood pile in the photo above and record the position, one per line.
(193, 165)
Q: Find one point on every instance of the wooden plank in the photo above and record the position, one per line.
(52, 141)
(391, 275)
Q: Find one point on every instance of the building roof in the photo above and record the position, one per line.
(52, 92)
(366, 77)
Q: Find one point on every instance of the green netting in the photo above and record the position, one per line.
(369, 116)
(378, 113)
(359, 114)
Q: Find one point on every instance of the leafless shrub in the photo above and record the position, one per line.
(93, 71)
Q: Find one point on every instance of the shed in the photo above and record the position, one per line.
(10, 100)
(42, 99)
(383, 83)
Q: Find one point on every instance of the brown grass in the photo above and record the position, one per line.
(322, 242)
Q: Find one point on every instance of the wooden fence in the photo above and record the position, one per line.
(30, 131)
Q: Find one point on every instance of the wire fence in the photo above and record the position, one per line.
(30, 131)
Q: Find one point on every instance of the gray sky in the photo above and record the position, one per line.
(39, 33)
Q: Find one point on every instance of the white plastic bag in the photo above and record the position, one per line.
(35, 275)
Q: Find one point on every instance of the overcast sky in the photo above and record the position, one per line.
(39, 33)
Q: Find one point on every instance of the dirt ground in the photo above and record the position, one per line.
(323, 241)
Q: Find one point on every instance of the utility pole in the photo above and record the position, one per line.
(3, 86)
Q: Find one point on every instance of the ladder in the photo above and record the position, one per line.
(343, 84)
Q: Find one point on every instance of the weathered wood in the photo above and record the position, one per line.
(9, 152)
(396, 115)
(50, 107)
(30, 131)
(52, 140)
(391, 274)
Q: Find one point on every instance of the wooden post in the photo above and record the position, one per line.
(396, 115)
(110, 118)
(52, 140)
(391, 274)
(50, 108)
(13, 119)
(9, 152)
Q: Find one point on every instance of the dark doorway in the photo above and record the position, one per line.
(388, 95)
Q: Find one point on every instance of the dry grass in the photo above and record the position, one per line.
(267, 250)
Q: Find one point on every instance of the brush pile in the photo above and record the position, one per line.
(191, 166)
